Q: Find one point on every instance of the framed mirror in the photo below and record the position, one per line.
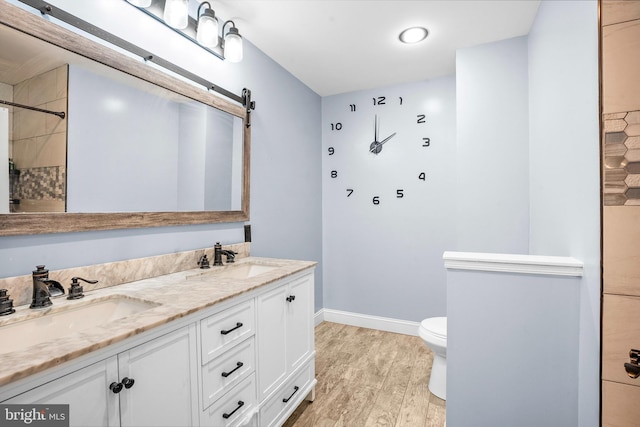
(119, 144)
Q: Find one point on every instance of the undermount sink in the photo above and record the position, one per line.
(58, 324)
(238, 271)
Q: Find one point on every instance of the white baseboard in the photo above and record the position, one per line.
(365, 321)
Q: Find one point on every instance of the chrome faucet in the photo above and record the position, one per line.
(218, 252)
(44, 288)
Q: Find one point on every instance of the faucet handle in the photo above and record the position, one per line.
(203, 262)
(76, 290)
(6, 303)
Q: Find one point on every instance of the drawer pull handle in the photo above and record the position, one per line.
(632, 368)
(295, 390)
(115, 387)
(291, 298)
(128, 382)
(238, 366)
(633, 371)
(238, 325)
(240, 405)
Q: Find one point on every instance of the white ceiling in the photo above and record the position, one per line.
(337, 46)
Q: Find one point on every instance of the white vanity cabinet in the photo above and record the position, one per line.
(228, 366)
(92, 403)
(285, 348)
(247, 360)
(163, 392)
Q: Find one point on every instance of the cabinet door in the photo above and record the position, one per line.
(272, 365)
(299, 322)
(164, 392)
(86, 391)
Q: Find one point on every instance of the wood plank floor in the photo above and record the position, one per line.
(368, 377)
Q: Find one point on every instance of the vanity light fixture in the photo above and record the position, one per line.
(232, 43)
(176, 13)
(413, 35)
(207, 26)
(203, 30)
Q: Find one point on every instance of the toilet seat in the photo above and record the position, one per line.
(435, 326)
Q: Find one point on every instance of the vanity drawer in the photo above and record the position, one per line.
(223, 330)
(620, 405)
(236, 408)
(620, 334)
(237, 363)
(286, 397)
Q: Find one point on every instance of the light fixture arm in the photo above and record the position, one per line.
(233, 26)
(208, 7)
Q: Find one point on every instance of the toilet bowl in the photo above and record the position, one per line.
(433, 332)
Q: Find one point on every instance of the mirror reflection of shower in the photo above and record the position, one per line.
(34, 158)
(5, 163)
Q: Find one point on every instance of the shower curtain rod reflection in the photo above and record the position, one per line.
(60, 114)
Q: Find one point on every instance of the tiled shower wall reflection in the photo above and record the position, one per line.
(622, 158)
(39, 143)
(621, 214)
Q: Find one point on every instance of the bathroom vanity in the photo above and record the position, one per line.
(225, 346)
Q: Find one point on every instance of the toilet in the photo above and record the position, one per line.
(433, 332)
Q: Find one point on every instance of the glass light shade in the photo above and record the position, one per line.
(140, 3)
(176, 13)
(207, 34)
(233, 46)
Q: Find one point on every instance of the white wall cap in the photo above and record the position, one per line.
(513, 263)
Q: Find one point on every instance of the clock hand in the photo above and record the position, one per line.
(375, 129)
(387, 138)
(376, 147)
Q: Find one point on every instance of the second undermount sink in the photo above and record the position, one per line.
(58, 324)
(235, 271)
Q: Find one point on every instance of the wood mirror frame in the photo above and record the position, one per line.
(42, 223)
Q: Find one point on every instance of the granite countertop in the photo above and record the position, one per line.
(174, 295)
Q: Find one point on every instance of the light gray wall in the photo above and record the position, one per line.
(563, 184)
(565, 168)
(492, 143)
(511, 341)
(386, 260)
(285, 161)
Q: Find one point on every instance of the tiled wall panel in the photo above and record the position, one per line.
(621, 66)
(621, 212)
(617, 11)
(621, 333)
(620, 405)
(621, 102)
(621, 250)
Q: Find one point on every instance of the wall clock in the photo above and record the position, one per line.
(376, 148)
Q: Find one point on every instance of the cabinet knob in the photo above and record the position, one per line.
(128, 382)
(291, 298)
(115, 387)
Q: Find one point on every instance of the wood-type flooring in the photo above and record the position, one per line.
(367, 378)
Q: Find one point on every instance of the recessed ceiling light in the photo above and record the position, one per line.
(413, 35)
